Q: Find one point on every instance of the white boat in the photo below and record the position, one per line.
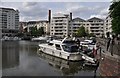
(6, 38)
(62, 50)
(39, 39)
(89, 44)
(88, 59)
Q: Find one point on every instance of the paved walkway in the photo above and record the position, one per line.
(116, 53)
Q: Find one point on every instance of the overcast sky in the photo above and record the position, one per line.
(39, 10)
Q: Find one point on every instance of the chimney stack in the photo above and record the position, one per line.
(49, 16)
(70, 16)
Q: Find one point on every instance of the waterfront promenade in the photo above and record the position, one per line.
(110, 62)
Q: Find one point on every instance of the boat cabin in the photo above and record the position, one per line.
(67, 46)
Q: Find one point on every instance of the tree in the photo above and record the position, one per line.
(91, 35)
(33, 31)
(87, 32)
(41, 31)
(81, 32)
(37, 32)
(115, 15)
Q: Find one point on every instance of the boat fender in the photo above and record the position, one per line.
(60, 54)
(68, 57)
(44, 49)
(94, 52)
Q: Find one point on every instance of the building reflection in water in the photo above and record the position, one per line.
(66, 67)
(10, 54)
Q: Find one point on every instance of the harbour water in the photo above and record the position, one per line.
(21, 58)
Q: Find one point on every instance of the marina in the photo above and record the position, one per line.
(26, 61)
(73, 39)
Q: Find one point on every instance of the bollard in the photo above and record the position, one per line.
(100, 51)
(94, 52)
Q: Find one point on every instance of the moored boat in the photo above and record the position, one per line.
(39, 39)
(6, 38)
(62, 49)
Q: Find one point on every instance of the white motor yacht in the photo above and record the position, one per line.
(62, 49)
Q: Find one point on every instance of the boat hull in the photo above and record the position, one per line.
(60, 54)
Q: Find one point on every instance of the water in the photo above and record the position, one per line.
(21, 58)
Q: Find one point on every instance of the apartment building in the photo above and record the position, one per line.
(108, 26)
(76, 23)
(38, 24)
(63, 25)
(60, 25)
(95, 26)
(9, 21)
(0, 23)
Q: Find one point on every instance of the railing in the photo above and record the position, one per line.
(113, 48)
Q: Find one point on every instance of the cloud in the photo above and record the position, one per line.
(33, 11)
(104, 11)
(87, 10)
(39, 10)
(102, 14)
(27, 4)
(99, 16)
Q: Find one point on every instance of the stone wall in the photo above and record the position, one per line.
(109, 64)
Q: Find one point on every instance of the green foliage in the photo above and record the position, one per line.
(115, 15)
(91, 35)
(20, 34)
(81, 32)
(74, 35)
(41, 31)
(116, 25)
(37, 32)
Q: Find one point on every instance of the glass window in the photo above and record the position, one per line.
(70, 49)
(66, 48)
(57, 47)
(50, 44)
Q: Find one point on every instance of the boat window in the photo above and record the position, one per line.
(57, 47)
(50, 44)
(70, 49)
(69, 42)
(74, 48)
(66, 48)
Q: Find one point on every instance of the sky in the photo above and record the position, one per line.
(32, 11)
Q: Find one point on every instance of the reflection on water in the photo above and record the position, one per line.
(66, 67)
(10, 54)
(22, 59)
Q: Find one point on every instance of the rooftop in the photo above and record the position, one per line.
(78, 19)
(95, 19)
(8, 9)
